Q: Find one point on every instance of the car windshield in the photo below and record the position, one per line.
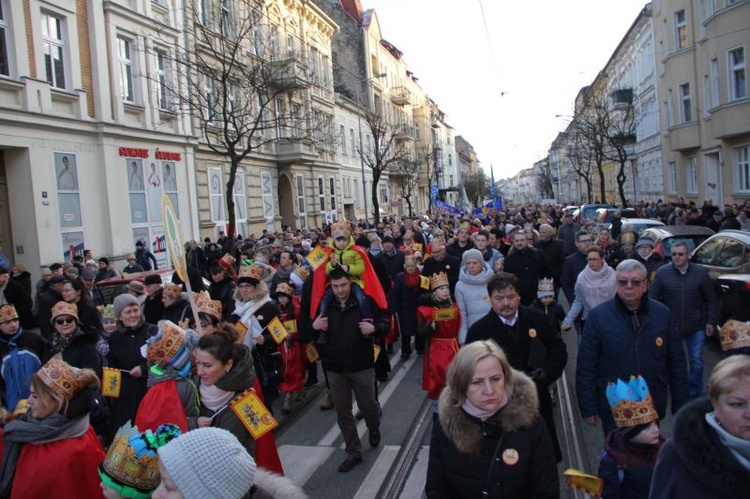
(692, 242)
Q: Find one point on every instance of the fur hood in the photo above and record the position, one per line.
(465, 432)
(267, 485)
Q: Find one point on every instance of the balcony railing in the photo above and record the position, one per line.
(401, 96)
(289, 74)
(295, 151)
(403, 132)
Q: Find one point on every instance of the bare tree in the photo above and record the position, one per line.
(592, 124)
(544, 181)
(477, 186)
(239, 92)
(405, 175)
(580, 161)
(621, 136)
(386, 152)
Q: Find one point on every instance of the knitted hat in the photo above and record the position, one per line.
(388, 239)
(122, 301)
(137, 287)
(64, 308)
(8, 313)
(472, 254)
(208, 462)
(88, 274)
(546, 288)
(645, 241)
(152, 279)
(131, 467)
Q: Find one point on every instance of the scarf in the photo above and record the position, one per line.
(739, 447)
(482, 414)
(244, 309)
(412, 281)
(214, 397)
(481, 279)
(598, 286)
(284, 275)
(60, 342)
(35, 431)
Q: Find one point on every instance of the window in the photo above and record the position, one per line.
(686, 109)
(709, 8)
(203, 11)
(450, 160)
(706, 96)
(357, 187)
(691, 176)
(240, 202)
(5, 39)
(125, 54)
(742, 160)
(451, 180)
(162, 80)
(352, 142)
(290, 49)
(226, 18)
(216, 194)
(301, 211)
(668, 109)
(210, 111)
(314, 62)
(332, 192)
(672, 178)
(342, 138)
(54, 50)
(714, 75)
(280, 111)
(274, 43)
(680, 26)
(383, 192)
(321, 194)
(737, 80)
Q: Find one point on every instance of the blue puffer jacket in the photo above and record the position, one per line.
(691, 297)
(618, 343)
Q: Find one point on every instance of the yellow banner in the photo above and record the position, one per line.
(424, 282)
(290, 326)
(445, 314)
(111, 382)
(276, 328)
(173, 237)
(253, 414)
(376, 350)
(312, 353)
(416, 247)
(22, 407)
(589, 484)
(242, 329)
(317, 257)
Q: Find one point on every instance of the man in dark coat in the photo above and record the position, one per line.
(144, 257)
(529, 265)
(553, 251)
(15, 294)
(526, 337)
(626, 336)
(574, 265)
(462, 244)
(153, 305)
(441, 261)
(567, 234)
(51, 295)
(222, 288)
(391, 257)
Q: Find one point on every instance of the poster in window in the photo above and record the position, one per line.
(159, 246)
(138, 213)
(66, 172)
(140, 234)
(72, 245)
(70, 210)
(154, 189)
(135, 174)
(170, 181)
(173, 198)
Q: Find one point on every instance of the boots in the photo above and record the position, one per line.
(286, 408)
(328, 402)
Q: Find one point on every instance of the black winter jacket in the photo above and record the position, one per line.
(553, 251)
(81, 352)
(223, 291)
(573, 265)
(529, 266)
(690, 297)
(513, 444)
(627, 468)
(449, 264)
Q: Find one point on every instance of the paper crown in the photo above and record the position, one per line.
(64, 379)
(302, 271)
(63, 308)
(546, 287)
(250, 273)
(340, 228)
(172, 290)
(284, 289)
(410, 257)
(734, 334)
(131, 467)
(465, 225)
(205, 304)
(8, 313)
(227, 261)
(627, 238)
(631, 402)
(166, 347)
(107, 311)
(438, 280)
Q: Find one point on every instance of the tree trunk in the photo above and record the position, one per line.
(621, 184)
(374, 195)
(602, 190)
(230, 204)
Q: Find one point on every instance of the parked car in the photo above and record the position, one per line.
(663, 237)
(117, 285)
(726, 252)
(734, 297)
(604, 216)
(641, 224)
(588, 210)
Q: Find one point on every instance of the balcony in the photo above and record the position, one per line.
(295, 152)
(288, 74)
(730, 120)
(685, 137)
(400, 96)
(403, 132)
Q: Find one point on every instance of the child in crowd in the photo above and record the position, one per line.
(630, 450)
(20, 353)
(546, 303)
(109, 325)
(292, 356)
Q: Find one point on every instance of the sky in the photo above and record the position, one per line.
(503, 92)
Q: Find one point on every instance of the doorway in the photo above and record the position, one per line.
(713, 178)
(286, 201)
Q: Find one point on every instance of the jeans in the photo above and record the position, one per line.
(694, 347)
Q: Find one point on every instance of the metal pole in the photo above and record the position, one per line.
(361, 152)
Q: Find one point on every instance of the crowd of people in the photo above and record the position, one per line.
(162, 368)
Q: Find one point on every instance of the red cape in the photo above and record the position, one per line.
(266, 453)
(161, 405)
(373, 289)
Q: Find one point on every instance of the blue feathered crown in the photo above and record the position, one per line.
(631, 402)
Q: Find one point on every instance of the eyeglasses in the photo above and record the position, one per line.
(679, 254)
(65, 320)
(593, 259)
(584, 240)
(632, 282)
(204, 324)
(245, 286)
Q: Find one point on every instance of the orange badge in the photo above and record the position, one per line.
(659, 341)
(532, 333)
(510, 456)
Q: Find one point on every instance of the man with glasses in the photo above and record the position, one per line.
(687, 290)
(626, 336)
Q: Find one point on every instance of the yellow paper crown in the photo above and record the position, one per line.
(410, 258)
(64, 379)
(284, 289)
(64, 308)
(108, 312)
(172, 290)
(8, 313)
(627, 238)
(205, 304)
(438, 280)
(340, 228)
(165, 348)
(252, 272)
(302, 271)
(734, 334)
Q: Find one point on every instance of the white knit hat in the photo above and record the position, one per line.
(208, 463)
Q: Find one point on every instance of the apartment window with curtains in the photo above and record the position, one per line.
(162, 79)
(691, 177)
(680, 26)
(742, 160)
(737, 74)
(686, 107)
(55, 49)
(127, 83)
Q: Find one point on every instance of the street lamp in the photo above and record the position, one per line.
(359, 126)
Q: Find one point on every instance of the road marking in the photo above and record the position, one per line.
(414, 486)
(374, 479)
(300, 462)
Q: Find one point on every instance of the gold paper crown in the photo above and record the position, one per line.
(164, 349)
(627, 238)
(64, 308)
(227, 261)
(108, 312)
(340, 228)
(438, 280)
(284, 289)
(734, 334)
(546, 285)
(8, 313)
(302, 271)
(410, 258)
(253, 272)
(465, 225)
(64, 379)
(205, 304)
(172, 290)
(628, 413)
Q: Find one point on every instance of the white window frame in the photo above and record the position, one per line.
(217, 218)
(291, 50)
(279, 110)
(741, 157)
(672, 178)
(240, 202)
(50, 43)
(6, 40)
(275, 42)
(332, 194)
(691, 175)
(680, 29)
(321, 187)
(342, 136)
(686, 106)
(226, 18)
(125, 50)
(383, 191)
(714, 75)
(737, 68)
(299, 190)
(210, 101)
(163, 70)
